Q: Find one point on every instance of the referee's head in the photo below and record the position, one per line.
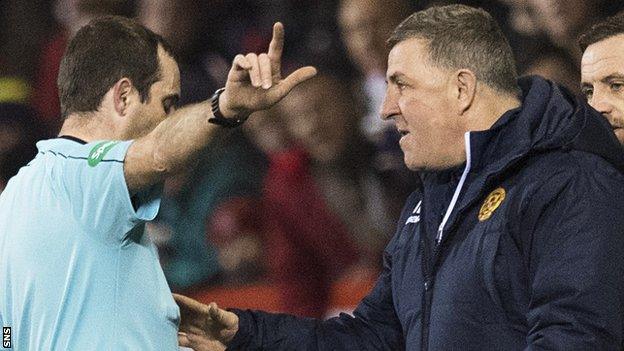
(118, 75)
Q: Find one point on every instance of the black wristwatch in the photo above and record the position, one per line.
(218, 116)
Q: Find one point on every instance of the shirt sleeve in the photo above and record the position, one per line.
(93, 179)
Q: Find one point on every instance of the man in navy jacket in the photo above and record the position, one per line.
(515, 240)
(602, 70)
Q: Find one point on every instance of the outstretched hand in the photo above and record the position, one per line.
(255, 81)
(204, 327)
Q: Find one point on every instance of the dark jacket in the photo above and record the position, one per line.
(538, 268)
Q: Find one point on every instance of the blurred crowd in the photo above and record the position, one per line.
(305, 194)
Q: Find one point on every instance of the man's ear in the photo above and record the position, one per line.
(123, 93)
(464, 87)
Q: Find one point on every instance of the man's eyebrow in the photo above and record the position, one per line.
(174, 97)
(395, 76)
(611, 77)
(586, 85)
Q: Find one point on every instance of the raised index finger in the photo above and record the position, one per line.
(276, 47)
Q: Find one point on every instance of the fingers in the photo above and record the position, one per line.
(240, 67)
(183, 340)
(265, 71)
(187, 302)
(276, 47)
(223, 317)
(258, 68)
(215, 312)
(200, 343)
(254, 72)
(297, 77)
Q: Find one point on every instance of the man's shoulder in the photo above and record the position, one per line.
(569, 176)
(90, 154)
(571, 163)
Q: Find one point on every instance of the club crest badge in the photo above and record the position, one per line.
(491, 203)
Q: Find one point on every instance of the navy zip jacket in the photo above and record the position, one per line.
(527, 252)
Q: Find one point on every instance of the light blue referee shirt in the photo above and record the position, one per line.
(76, 270)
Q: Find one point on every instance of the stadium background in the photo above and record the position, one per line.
(291, 212)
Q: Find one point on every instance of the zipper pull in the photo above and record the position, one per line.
(439, 237)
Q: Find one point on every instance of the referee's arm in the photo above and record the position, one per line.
(254, 83)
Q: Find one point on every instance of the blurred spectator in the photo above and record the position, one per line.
(557, 65)
(554, 26)
(13, 89)
(561, 21)
(322, 118)
(71, 15)
(365, 25)
(230, 168)
(564, 20)
(326, 210)
(23, 26)
(236, 229)
(184, 23)
(186, 222)
(18, 134)
(521, 18)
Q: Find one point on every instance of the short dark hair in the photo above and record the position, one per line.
(103, 52)
(460, 36)
(608, 28)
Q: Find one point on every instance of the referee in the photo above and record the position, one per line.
(77, 271)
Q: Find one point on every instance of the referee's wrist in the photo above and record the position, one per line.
(226, 112)
(222, 115)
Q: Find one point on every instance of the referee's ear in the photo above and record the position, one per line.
(123, 95)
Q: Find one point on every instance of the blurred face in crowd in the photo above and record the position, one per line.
(319, 115)
(177, 21)
(74, 14)
(562, 19)
(521, 17)
(365, 25)
(602, 80)
(163, 96)
(418, 99)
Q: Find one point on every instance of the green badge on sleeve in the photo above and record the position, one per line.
(99, 151)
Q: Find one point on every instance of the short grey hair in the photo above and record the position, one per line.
(461, 36)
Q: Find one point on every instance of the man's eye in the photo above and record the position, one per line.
(169, 107)
(616, 86)
(588, 92)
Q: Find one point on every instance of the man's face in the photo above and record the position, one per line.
(162, 99)
(364, 31)
(561, 19)
(602, 80)
(419, 100)
(318, 115)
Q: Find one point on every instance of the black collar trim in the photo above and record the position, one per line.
(72, 138)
